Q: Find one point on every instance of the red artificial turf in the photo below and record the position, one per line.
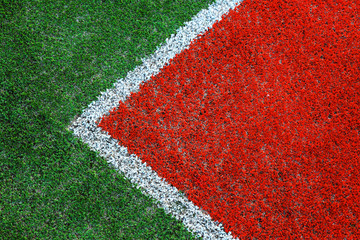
(258, 121)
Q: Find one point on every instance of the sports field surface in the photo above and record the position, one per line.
(180, 119)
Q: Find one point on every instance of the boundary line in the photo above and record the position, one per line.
(148, 181)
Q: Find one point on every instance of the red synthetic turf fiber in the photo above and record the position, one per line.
(258, 121)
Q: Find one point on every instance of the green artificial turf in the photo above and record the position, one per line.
(56, 57)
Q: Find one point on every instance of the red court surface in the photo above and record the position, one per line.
(258, 121)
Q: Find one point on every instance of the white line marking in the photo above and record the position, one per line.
(168, 197)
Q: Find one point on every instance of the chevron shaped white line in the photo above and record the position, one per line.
(148, 181)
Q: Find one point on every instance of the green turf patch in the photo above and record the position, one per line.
(56, 58)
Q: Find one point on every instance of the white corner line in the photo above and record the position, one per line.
(168, 197)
